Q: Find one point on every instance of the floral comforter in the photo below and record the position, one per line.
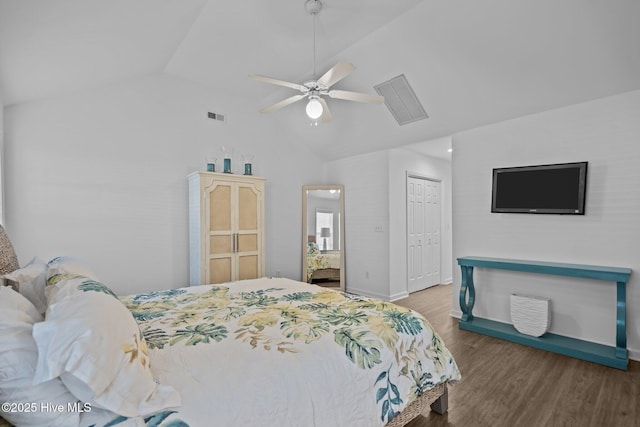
(318, 261)
(285, 353)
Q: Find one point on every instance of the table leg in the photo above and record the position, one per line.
(621, 321)
(466, 287)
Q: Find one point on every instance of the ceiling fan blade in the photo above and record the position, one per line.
(326, 114)
(339, 71)
(273, 81)
(283, 103)
(356, 96)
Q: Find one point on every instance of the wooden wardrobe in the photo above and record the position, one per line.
(226, 227)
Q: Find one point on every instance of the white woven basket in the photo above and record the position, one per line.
(530, 315)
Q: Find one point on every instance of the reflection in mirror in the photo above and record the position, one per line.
(323, 235)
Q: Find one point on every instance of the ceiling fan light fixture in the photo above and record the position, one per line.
(314, 108)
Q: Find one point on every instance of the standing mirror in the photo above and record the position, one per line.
(323, 235)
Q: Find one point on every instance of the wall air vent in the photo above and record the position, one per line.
(216, 116)
(401, 100)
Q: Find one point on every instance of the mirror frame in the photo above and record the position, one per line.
(305, 191)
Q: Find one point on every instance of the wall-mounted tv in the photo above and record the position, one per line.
(541, 189)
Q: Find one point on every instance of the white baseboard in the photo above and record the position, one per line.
(368, 294)
(398, 296)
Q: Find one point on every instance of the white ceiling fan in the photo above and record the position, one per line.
(314, 90)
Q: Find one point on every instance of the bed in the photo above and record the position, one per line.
(322, 266)
(268, 352)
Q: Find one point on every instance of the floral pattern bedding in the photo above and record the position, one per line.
(280, 352)
(317, 260)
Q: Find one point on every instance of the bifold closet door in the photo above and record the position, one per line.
(423, 233)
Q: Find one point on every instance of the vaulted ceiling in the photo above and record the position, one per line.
(470, 63)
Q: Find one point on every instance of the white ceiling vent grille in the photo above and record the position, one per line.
(401, 100)
(216, 116)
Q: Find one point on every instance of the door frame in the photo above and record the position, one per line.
(416, 175)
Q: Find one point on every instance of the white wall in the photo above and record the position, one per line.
(101, 174)
(604, 132)
(402, 161)
(366, 198)
(375, 198)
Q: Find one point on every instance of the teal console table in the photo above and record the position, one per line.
(616, 357)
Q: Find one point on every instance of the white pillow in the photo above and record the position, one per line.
(69, 264)
(71, 284)
(32, 279)
(91, 340)
(18, 358)
(65, 267)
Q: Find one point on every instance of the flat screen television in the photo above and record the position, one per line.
(541, 189)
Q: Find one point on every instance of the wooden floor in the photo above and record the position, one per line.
(507, 384)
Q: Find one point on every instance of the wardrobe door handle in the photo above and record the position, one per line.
(237, 243)
(233, 243)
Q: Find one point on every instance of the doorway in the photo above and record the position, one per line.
(423, 232)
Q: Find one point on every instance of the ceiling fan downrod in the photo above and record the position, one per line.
(313, 7)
